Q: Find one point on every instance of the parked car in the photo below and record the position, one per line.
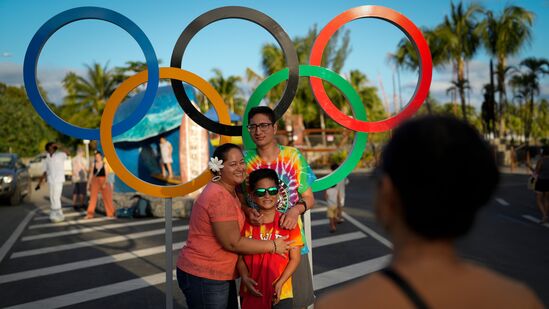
(15, 181)
(36, 166)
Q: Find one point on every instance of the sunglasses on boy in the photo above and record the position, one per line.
(262, 191)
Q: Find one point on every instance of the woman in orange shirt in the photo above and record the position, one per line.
(206, 267)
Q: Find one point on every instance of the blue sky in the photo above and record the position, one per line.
(232, 45)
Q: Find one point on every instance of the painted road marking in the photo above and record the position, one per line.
(534, 219)
(343, 274)
(69, 222)
(331, 240)
(69, 215)
(95, 293)
(502, 201)
(321, 281)
(91, 229)
(368, 230)
(16, 233)
(33, 273)
(95, 242)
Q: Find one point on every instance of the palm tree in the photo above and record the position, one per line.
(88, 95)
(227, 87)
(521, 94)
(461, 42)
(334, 58)
(368, 95)
(406, 56)
(503, 36)
(533, 68)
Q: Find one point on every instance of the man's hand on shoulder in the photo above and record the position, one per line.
(289, 219)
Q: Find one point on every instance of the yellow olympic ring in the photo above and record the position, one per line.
(107, 119)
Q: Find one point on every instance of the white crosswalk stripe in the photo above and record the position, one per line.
(326, 241)
(96, 242)
(90, 229)
(68, 215)
(94, 293)
(351, 231)
(340, 275)
(70, 222)
(535, 220)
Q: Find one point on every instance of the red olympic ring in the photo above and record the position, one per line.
(413, 34)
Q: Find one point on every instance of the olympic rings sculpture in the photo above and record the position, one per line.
(313, 71)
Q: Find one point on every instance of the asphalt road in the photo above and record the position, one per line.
(121, 263)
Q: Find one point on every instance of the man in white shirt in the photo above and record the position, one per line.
(54, 170)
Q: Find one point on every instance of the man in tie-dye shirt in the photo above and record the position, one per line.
(296, 179)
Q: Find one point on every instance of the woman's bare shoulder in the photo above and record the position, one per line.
(368, 292)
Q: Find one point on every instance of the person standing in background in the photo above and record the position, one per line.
(54, 171)
(166, 159)
(98, 182)
(110, 175)
(79, 179)
(542, 185)
(340, 187)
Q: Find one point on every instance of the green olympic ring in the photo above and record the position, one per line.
(361, 138)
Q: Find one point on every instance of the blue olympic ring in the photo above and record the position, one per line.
(57, 22)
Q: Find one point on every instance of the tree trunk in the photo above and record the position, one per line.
(323, 127)
(428, 103)
(461, 88)
(501, 94)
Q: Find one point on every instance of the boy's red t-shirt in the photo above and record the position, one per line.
(266, 268)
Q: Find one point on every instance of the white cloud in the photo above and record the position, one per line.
(50, 79)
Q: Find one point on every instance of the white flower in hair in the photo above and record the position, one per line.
(215, 164)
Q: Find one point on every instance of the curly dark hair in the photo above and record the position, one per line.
(443, 171)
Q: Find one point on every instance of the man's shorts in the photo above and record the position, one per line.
(79, 188)
(331, 212)
(302, 283)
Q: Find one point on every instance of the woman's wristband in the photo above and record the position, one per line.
(274, 248)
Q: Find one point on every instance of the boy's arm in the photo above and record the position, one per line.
(246, 280)
(295, 257)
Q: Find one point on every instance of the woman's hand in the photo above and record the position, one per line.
(282, 246)
(250, 284)
(277, 292)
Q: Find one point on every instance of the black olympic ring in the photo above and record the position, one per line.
(256, 17)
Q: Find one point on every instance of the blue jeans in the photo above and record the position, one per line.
(202, 293)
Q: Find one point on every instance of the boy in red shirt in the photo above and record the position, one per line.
(266, 278)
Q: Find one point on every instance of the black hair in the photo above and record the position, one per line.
(443, 172)
(334, 166)
(221, 151)
(48, 145)
(262, 173)
(265, 110)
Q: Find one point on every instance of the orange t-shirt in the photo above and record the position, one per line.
(203, 256)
